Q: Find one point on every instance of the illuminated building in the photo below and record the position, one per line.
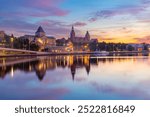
(41, 39)
(6, 40)
(12, 41)
(79, 40)
(80, 43)
(2, 39)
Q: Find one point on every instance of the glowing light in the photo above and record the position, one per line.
(12, 72)
(12, 39)
(40, 41)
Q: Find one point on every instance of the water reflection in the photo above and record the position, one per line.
(75, 77)
(40, 65)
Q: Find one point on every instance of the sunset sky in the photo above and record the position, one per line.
(108, 20)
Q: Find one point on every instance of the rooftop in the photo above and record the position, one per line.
(40, 29)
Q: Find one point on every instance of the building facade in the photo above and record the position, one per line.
(41, 39)
(2, 39)
(135, 47)
(6, 40)
(80, 43)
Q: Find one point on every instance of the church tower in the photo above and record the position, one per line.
(72, 34)
(40, 32)
(87, 36)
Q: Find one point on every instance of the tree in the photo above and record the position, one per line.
(93, 46)
(145, 46)
(130, 48)
(34, 47)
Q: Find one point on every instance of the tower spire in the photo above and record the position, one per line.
(72, 34)
(40, 32)
(87, 36)
(72, 27)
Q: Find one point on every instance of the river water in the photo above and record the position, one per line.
(75, 78)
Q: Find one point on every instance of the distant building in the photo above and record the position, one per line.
(135, 47)
(2, 39)
(12, 41)
(148, 47)
(2, 34)
(68, 47)
(29, 37)
(41, 39)
(61, 42)
(94, 41)
(6, 40)
(80, 43)
(79, 40)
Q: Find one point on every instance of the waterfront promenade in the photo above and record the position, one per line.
(9, 52)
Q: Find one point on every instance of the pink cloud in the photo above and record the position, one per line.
(43, 3)
(131, 10)
(46, 8)
(145, 21)
(145, 39)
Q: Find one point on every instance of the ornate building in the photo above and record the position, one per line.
(80, 43)
(41, 39)
(79, 40)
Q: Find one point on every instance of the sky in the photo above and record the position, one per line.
(125, 21)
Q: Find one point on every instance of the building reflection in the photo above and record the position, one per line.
(40, 70)
(77, 62)
(43, 64)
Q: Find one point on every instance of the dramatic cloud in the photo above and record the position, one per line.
(46, 7)
(145, 39)
(57, 16)
(125, 30)
(114, 12)
(53, 27)
(79, 24)
(107, 39)
(22, 27)
(145, 1)
(33, 8)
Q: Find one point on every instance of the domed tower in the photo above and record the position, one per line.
(87, 36)
(72, 34)
(40, 32)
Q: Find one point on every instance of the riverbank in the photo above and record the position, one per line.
(74, 53)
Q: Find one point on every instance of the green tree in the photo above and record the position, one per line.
(34, 47)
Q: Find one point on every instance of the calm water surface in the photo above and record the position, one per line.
(75, 77)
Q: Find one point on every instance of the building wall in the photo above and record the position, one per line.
(2, 39)
(45, 42)
(2, 34)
